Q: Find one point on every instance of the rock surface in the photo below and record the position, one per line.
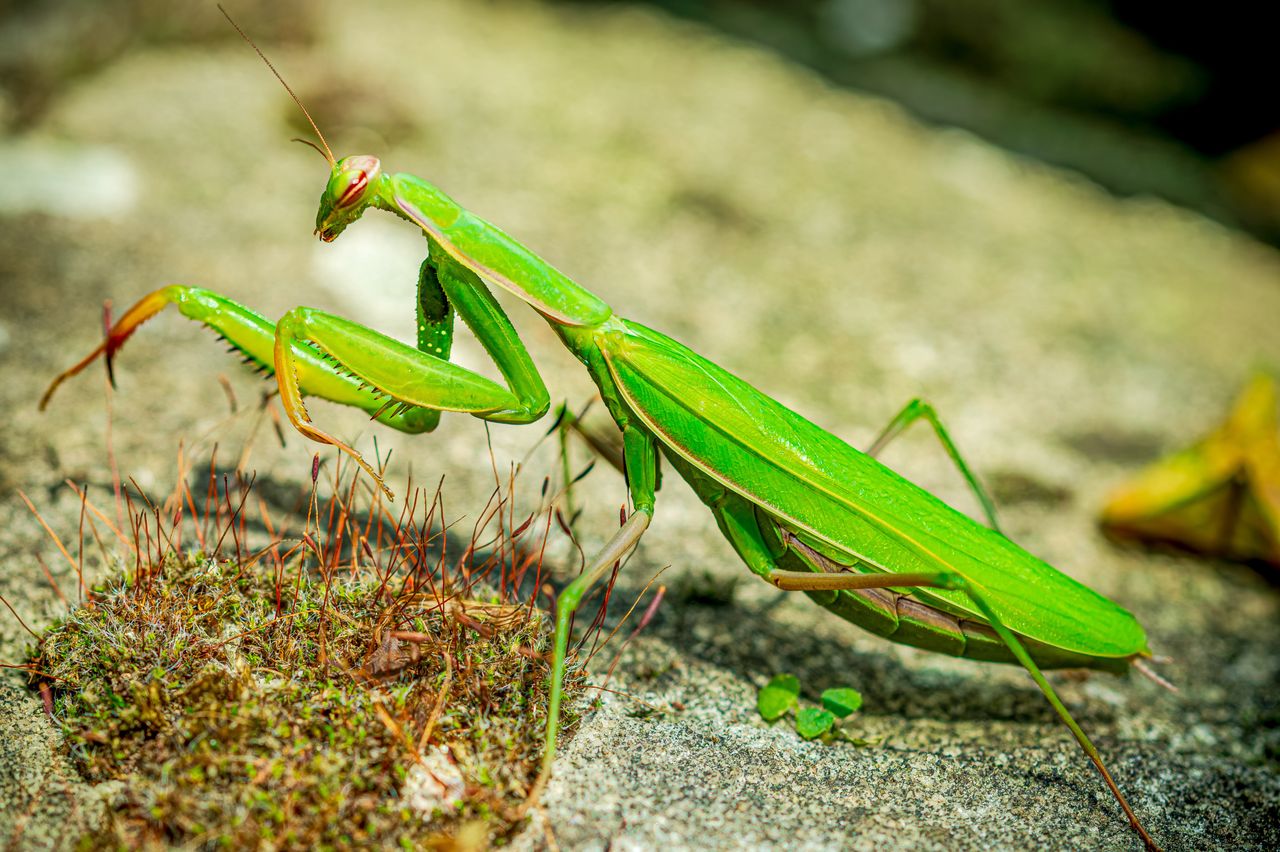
(818, 243)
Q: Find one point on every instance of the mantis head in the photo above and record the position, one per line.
(351, 182)
(350, 190)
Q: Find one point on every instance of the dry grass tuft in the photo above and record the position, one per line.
(351, 683)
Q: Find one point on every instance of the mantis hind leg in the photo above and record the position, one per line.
(805, 581)
(252, 336)
(740, 527)
(913, 411)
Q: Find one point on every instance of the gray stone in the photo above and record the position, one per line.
(818, 243)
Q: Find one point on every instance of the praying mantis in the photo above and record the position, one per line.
(803, 509)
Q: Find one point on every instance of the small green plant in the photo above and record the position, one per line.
(782, 694)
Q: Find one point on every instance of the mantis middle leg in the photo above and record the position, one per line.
(641, 463)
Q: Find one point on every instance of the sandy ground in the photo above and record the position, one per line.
(818, 243)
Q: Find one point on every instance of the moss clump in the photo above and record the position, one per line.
(341, 715)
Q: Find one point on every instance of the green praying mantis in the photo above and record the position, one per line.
(803, 509)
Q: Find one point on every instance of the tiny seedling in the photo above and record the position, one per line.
(781, 694)
(778, 696)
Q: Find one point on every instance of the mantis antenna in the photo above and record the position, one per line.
(311, 144)
(328, 154)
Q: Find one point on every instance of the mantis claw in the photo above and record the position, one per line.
(296, 409)
(147, 307)
(302, 422)
(316, 435)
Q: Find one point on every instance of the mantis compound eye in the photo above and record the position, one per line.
(352, 179)
(358, 181)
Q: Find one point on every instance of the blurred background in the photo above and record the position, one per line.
(1169, 99)
(1173, 101)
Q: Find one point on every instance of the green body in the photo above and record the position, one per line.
(785, 493)
(766, 472)
(788, 496)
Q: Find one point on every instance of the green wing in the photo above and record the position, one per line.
(819, 484)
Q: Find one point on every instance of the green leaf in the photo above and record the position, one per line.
(842, 701)
(778, 696)
(814, 722)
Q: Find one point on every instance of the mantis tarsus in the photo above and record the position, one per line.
(803, 509)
